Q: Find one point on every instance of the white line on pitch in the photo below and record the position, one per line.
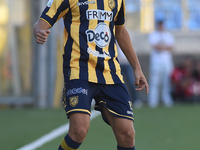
(52, 135)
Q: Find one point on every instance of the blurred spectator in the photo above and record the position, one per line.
(186, 80)
(161, 66)
(129, 78)
(196, 87)
(197, 71)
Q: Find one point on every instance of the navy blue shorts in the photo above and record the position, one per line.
(78, 95)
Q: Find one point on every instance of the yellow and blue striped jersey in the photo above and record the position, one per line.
(90, 51)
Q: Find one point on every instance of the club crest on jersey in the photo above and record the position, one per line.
(50, 2)
(100, 35)
(111, 4)
(73, 101)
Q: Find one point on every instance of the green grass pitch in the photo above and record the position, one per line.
(176, 128)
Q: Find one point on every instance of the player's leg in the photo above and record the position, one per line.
(123, 130)
(115, 105)
(78, 129)
(77, 104)
(79, 126)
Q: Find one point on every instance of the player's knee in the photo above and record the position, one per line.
(127, 137)
(80, 133)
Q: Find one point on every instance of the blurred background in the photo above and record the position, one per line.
(28, 72)
(31, 74)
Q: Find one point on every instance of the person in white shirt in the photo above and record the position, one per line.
(161, 66)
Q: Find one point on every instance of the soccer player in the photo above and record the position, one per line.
(90, 66)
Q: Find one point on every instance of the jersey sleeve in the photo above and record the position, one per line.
(55, 10)
(120, 19)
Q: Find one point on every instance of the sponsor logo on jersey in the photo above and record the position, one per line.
(73, 101)
(111, 4)
(129, 112)
(97, 54)
(85, 3)
(130, 104)
(100, 35)
(76, 91)
(99, 15)
(49, 3)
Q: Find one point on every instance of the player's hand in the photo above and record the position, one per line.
(140, 81)
(41, 36)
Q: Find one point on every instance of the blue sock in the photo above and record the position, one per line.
(69, 144)
(122, 148)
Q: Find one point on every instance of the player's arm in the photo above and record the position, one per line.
(41, 31)
(124, 41)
